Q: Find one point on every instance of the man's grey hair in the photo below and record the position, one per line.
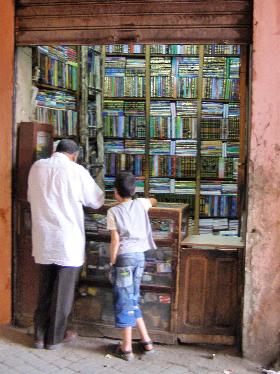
(67, 146)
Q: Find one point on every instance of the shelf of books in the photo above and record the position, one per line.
(124, 111)
(158, 296)
(55, 78)
(220, 140)
(180, 135)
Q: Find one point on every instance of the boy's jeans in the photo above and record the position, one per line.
(128, 273)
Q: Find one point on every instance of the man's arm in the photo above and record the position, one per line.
(92, 195)
(114, 246)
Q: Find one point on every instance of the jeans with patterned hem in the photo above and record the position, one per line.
(128, 273)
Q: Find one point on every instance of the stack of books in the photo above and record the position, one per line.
(92, 118)
(186, 147)
(185, 72)
(185, 167)
(135, 77)
(186, 108)
(159, 185)
(113, 118)
(114, 80)
(115, 162)
(213, 226)
(218, 206)
(58, 67)
(185, 187)
(162, 147)
(219, 168)
(161, 80)
(221, 78)
(159, 49)
(185, 127)
(125, 48)
(58, 109)
(182, 49)
(172, 166)
(114, 146)
(221, 49)
(134, 146)
(212, 148)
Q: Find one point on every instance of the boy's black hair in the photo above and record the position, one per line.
(125, 184)
(67, 146)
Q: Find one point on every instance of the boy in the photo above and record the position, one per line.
(131, 236)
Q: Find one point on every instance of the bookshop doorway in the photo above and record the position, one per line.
(173, 114)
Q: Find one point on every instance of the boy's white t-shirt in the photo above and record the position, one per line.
(111, 222)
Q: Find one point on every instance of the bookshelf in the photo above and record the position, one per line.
(172, 114)
(178, 126)
(67, 93)
(56, 88)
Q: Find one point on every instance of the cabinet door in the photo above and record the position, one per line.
(27, 272)
(208, 291)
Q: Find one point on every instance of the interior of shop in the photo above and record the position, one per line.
(174, 115)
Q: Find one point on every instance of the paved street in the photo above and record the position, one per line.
(88, 356)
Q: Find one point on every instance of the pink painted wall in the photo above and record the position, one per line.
(261, 331)
(6, 121)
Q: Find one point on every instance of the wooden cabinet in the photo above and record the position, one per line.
(210, 290)
(34, 142)
(27, 272)
(93, 310)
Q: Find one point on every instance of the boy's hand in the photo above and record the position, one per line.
(112, 274)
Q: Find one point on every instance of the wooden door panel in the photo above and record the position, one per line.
(208, 294)
(27, 280)
(226, 292)
(195, 286)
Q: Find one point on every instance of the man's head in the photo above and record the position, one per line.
(124, 185)
(69, 148)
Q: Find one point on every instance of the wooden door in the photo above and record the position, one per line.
(208, 289)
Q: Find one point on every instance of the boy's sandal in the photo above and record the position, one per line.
(116, 350)
(144, 347)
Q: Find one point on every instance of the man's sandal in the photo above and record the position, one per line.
(144, 347)
(116, 350)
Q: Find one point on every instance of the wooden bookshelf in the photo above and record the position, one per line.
(49, 77)
(204, 105)
(54, 88)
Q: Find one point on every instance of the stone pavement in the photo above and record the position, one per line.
(88, 356)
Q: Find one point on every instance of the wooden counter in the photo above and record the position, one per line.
(213, 242)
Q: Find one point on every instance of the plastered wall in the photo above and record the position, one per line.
(6, 120)
(261, 331)
(23, 85)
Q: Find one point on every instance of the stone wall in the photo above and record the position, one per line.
(261, 330)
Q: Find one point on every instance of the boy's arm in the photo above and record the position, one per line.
(153, 201)
(114, 246)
